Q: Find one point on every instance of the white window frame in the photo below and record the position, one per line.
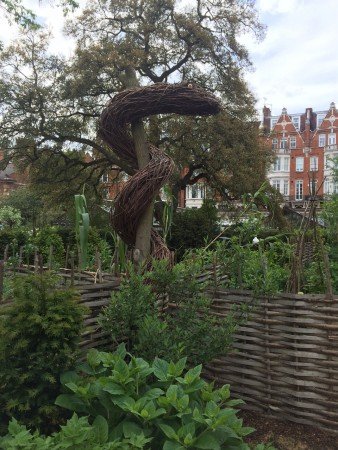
(296, 122)
(331, 139)
(277, 165)
(274, 143)
(313, 163)
(299, 192)
(286, 187)
(276, 184)
(322, 140)
(196, 191)
(300, 167)
(105, 178)
(293, 142)
(273, 122)
(320, 118)
(284, 143)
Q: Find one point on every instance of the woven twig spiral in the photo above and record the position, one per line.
(126, 107)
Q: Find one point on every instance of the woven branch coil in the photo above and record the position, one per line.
(125, 108)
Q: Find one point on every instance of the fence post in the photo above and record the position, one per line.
(6, 253)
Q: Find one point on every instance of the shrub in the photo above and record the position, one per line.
(131, 404)
(10, 217)
(161, 404)
(189, 327)
(192, 228)
(46, 238)
(39, 332)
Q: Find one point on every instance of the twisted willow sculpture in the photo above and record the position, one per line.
(131, 105)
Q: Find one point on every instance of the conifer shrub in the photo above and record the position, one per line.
(39, 333)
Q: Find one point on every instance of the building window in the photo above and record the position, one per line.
(281, 164)
(276, 184)
(296, 122)
(326, 187)
(283, 143)
(277, 165)
(286, 187)
(330, 162)
(105, 178)
(196, 191)
(322, 140)
(313, 163)
(332, 139)
(299, 164)
(274, 143)
(299, 190)
(313, 187)
(273, 122)
(320, 118)
(293, 142)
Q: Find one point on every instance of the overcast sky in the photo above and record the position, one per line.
(296, 66)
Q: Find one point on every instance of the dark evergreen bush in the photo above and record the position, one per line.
(193, 228)
(39, 332)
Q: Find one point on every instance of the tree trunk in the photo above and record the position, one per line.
(142, 243)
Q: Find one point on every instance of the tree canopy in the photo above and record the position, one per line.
(50, 105)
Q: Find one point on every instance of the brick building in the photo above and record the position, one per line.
(305, 145)
(10, 179)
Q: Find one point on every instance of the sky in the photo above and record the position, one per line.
(295, 66)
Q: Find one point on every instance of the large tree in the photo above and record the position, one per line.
(50, 106)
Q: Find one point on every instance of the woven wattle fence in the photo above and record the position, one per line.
(285, 358)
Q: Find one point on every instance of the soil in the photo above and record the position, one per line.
(285, 435)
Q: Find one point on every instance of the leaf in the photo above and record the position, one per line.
(113, 388)
(169, 445)
(193, 374)
(130, 428)
(93, 358)
(161, 369)
(153, 393)
(69, 377)
(72, 402)
(207, 441)
(169, 431)
(100, 426)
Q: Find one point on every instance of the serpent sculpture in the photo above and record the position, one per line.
(137, 194)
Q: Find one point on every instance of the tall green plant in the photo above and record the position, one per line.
(39, 331)
(82, 227)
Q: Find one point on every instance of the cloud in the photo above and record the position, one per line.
(295, 66)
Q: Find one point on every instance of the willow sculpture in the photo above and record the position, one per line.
(131, 105)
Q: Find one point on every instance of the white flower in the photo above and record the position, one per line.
(255, 240)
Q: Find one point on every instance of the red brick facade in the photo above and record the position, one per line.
(305, 145)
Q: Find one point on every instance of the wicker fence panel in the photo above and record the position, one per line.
(285, 358)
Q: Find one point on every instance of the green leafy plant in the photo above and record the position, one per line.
(187, 328)
(39, 331)
(191, 228)
(164, 404)
(82, 227)
(49, 244)
(10, 217)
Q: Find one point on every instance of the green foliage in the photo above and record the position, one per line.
(82, 227)
(126, 403)
(192, 228)
(46, 238)
(39, 331)
(187, 328)
(10, 217)
(163, 405)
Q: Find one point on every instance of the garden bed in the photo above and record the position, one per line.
(285, 435)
